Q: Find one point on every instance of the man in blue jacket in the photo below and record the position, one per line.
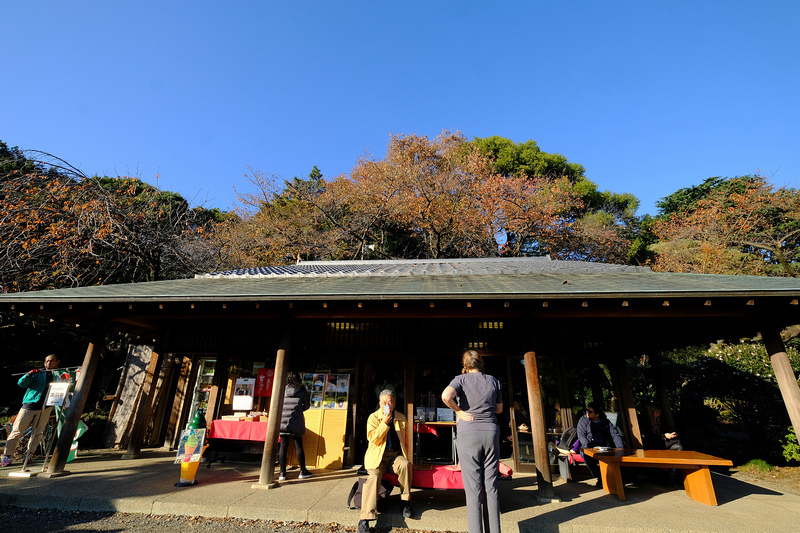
(33, 411)
(595, 429)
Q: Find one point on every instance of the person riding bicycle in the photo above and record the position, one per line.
(33, 411)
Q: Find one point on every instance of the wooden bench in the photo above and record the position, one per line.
(694, 466)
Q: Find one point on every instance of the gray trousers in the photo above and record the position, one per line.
(479, 454)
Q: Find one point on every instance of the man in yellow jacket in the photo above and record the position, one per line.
(387, 450)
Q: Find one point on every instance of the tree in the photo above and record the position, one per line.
(553, 209)
(60, 228)
(741, 225)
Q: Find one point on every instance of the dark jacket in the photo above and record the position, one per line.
(295, 401)
(611, 435)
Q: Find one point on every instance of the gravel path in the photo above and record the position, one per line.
(46, 520)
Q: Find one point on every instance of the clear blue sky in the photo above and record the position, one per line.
(648, 96)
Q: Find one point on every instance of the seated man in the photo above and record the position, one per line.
(387, 449)
(595, 429)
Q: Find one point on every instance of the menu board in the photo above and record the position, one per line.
(327, 391)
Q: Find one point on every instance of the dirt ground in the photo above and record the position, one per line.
(781, 477)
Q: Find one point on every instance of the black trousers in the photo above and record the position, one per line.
(298, 448)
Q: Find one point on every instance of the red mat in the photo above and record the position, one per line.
(441, 477)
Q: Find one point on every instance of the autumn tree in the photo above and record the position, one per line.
(60, 228)
(741, 225)
(434, 198)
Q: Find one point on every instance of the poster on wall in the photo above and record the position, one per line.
(263, 385)
(243, 394)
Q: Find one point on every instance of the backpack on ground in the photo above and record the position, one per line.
(354, 498)
(569, 439)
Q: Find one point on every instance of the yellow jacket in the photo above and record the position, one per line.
(376, 435)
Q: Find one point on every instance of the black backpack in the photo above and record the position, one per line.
(354, 498)
(568, 439)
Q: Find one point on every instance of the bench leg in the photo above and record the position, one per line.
(611, 475)
(699, 487)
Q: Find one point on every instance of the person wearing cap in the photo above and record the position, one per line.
(33, 411)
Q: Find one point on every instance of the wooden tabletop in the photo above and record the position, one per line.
(672, 457)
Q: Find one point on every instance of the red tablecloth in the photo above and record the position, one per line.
(440, 477)
(237, 430)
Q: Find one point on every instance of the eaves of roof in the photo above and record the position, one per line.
(567, 285)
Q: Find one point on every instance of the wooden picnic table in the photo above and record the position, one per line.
(693, 465)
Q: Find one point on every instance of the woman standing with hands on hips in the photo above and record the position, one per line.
(476, 399)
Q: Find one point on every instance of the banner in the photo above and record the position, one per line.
(264, 382)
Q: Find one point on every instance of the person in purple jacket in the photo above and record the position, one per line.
(476, 399)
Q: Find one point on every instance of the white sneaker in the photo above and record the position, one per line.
(281, 478)
(305, 476)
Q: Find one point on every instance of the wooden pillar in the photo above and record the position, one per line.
(408, 393)
(67, 435)
(787, 381)
(176, 418)
(218, 385)
(565, 398)
(513, 416)
(633, 433)
(544, 480)
(144, 408)
(662, 396)
(267, 475)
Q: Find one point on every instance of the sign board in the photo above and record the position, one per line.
(264, 382)
(191, 446)
(57, 394)
(243, 394)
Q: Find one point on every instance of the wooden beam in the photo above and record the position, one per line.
(408, 393)
(544, 480)
(787, 381)
(267, 474)
(75, 410)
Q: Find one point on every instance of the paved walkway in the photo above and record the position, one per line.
(102, 481)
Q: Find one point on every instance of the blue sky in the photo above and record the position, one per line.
(649, 96)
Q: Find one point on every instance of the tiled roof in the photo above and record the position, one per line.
(425, 267)
(454, 279)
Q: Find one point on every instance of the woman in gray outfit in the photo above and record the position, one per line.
(476, 399)
(293, 423)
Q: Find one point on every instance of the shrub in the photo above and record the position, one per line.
(791, 448)
(756, 465)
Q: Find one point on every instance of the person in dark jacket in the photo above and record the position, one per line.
(33, 412)
(595, 429)
(293, 424)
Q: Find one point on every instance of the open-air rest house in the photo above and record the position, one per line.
(352, 326)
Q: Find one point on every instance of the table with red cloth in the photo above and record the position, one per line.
(237, 430)
(441, 476)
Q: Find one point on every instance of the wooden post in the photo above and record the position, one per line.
(75, 410)
(143, 409)
(267, 474)
(179, 401)
(662, 396)
(544, 480)
(787, 381)
(408, 393)
(633, 434)
(565, 399)
(512, 416)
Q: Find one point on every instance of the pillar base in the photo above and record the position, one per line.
(55, 474)
(265, 486)
(547, 499)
